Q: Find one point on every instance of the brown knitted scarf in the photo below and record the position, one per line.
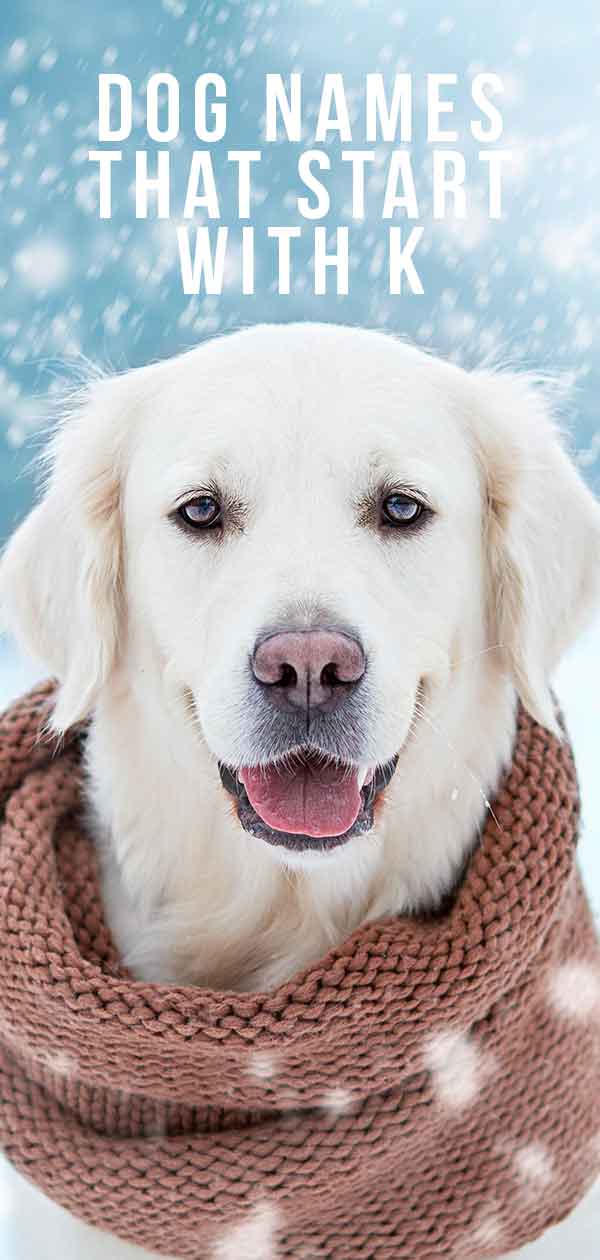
(430, 1088)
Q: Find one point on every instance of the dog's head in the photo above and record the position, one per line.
(312, 532)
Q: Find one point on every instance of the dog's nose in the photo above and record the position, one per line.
(308, 669)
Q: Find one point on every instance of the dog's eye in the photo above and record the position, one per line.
(202, 512)
(401, 509)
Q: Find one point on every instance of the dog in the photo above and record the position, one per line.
(297, 580)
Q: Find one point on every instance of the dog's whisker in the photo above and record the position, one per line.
(420, 711)
(459, 660)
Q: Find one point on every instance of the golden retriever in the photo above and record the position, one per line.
(298, 578)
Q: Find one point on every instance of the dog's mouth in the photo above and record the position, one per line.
(307, 802)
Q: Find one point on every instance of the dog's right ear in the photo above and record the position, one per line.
(542, 534)
(60, 575)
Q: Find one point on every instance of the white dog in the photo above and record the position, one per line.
(281, 572)
(298, 578)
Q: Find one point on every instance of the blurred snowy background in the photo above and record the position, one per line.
(524, 290)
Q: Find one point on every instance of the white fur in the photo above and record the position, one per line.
(149, 632)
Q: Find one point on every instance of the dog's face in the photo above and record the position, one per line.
(306, 546)
(315, 530)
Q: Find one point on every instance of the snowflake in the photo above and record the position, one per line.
(262, 1064)
(19, 95)
(113, 314)
(87, 193)
(17, 51)
(485, 1232)
(337, 1100)
(533, 1165)
(458, 1067)
(176, 8)
(48, 59)
(574, 989)
(43, 264)
(253, 1238)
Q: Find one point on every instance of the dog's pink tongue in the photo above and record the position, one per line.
(305, 799)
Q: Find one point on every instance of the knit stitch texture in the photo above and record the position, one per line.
(431, 1088)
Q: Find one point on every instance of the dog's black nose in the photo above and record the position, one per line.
(313, 670)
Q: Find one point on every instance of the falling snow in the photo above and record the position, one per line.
(63, 1064)
(253, 1239)
(337, 1101)
(112, 315)
(574, 990)
(525, 290)
(534, 1166)
(485, 1232)
(458, 1067)
(42, 264)
(262, 1065)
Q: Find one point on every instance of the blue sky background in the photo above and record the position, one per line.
(523, 290)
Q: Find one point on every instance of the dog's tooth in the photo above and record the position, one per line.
(365, 775)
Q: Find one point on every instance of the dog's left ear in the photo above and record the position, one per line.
(60, 576)
(542, 533)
